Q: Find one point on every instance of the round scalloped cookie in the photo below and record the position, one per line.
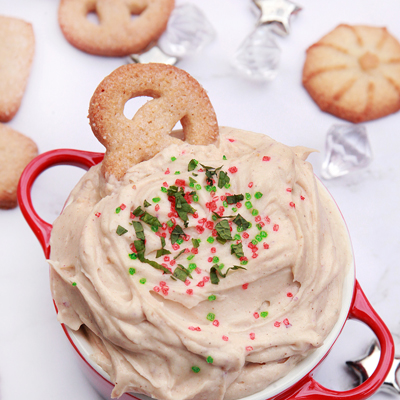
(354, 73)
(117, 34)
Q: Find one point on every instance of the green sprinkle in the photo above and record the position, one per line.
(208, 188)
(179, 241)
(177, 172)
(132, 271)
(240, 229)
(259, 227)
(156, 199)
(73, 283)
(214, 217)
(263, 234)
(212, 297)
(191, 184)
(121, 230)
(195, 198)
(258, 195)
(190, 257)
(132, 256)
(237, 237)
(173, 158)
(248, 196)
(215, 259)
(192, 266)
(210, 360)
(227, 186)
(210, 239)
(142, 281)
(254, 212)
(225, 204)
(170, 223)
(263, 314)
(198, 187)
(221, 266)
(259, 238)
(234, 209)
(244, 262)
(224, 158)
(248, 204)
(254, 241)
(213, 188)
(210, 316)
(164, 189)
(195, 369)
(118, 210)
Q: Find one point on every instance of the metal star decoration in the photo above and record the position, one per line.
(364, 368)
(153, 55)
(277, 13)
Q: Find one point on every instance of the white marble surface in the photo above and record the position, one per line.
(36, 361)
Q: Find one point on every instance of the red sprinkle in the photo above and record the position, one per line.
(195, 215)
(252, 335)
(232, 170)
(245, 286)
(257, 219)
(289, 190)
(255, 255)
(122, 206)
(266, 246)
(172, 262)
(165, 184)
(187, 282)
(165, 291)
(189, 291)
(249, 348)
(180, 182)
(209, 259)
(286, 321)
(156, 289)
(216, 322)
(98, 214)
(231, 140)
(256, 315)
(176, 246)
(198, 270)
(289, 294)
(167, 171)
(267, 219)
(266, 158)
(157, 207)
(238, 205)
(186, 238)
(200, 284)
(164, 226)
(302, 197)
(277, 324)
(131, 216)
(250, 185)
(206, 279)
(195, 250)
(276, 228)
(210, 225)
(214, 233)
(133, 248)
(291, 204)
(225, 338)
(245, 235)
(199, 229)
(213, 250)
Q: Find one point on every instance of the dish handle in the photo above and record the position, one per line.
(77, 158)
(361, 309)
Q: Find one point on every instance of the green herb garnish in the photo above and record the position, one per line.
(223, 179)
(150, 220)
(182, 207)
(234, 199)
(237, 250)
(224, 230)
(162, 251)
(215, 273)
(182, 273)
(146, 203)
(196, 243)
(138, 211)
(180, 253)
(241, 222)
(192, 164)
(121, 230)
(138, 230)
(176, 234)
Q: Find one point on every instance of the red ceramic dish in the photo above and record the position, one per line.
(298, 384)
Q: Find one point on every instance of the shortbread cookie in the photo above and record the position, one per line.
(16, 151)
(354, 73)
(17, 46)
(117, 34)
(176, 97)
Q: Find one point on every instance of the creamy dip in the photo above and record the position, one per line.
(207, 272)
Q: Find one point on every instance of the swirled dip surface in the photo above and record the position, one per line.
(183, 325)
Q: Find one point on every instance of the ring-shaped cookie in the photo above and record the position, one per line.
(176, 97)
(117, 34)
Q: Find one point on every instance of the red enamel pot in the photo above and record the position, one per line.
(298, 384)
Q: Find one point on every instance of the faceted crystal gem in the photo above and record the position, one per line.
(188, 31)
(347, 150)
(258, 56)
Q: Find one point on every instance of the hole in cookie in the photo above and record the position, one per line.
(93, 17)
(132, 105)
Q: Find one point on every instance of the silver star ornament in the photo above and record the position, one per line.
(364, 368)
(277, 13)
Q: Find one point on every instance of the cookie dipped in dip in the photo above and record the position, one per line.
(205, 272)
